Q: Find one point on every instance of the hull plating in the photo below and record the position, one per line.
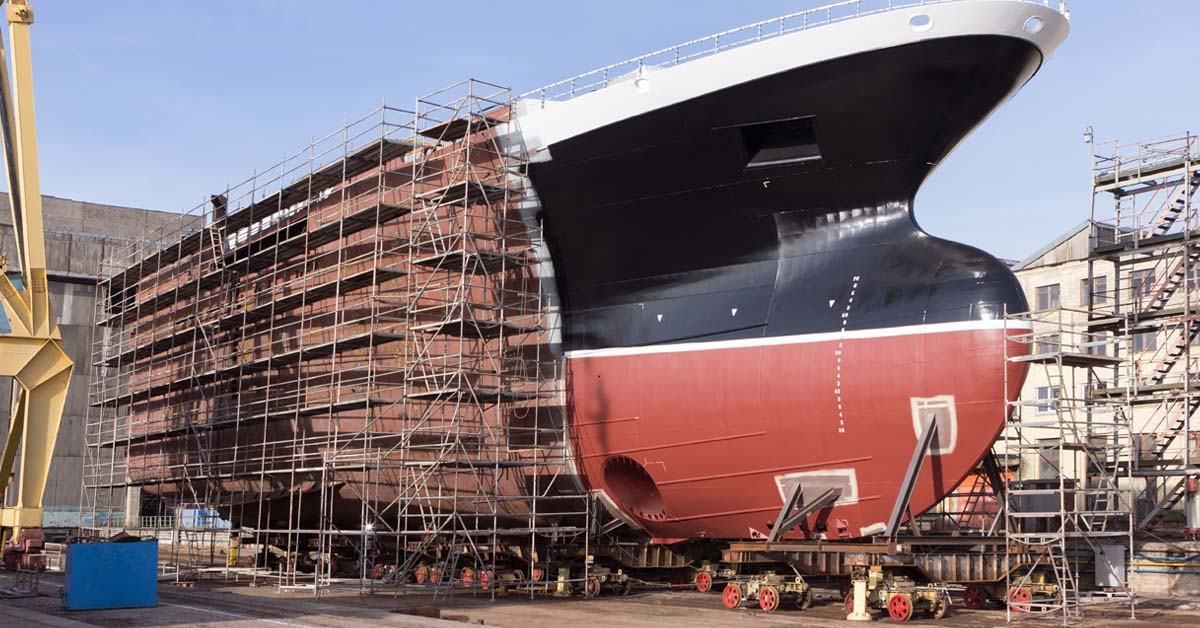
(731, 325)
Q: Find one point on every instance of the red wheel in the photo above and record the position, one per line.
(1019, 599)
(468, 576)
(422, 574)
(592, 587)
(704, 582)
(848, 604)
(974, 598)
(538, 574)
(485, 578)
(768, 598)
(435, 575)
(731, 597)
(900, 607)
(846, 587)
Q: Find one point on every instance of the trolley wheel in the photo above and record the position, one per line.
(468, 576)
(1019, 599)
(731, 597)
(592, 587)
(485, 578)
(804, 600)
(768, 598)
(626, 588)
(974, 598)
(538, 574)
(848, 604)
(846, 587)
(704, 582)
(422, 574)
(900, 607)
(435, 575)
(941, 607)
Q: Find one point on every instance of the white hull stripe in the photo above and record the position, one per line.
(745, 343)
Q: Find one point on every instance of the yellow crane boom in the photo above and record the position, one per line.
(32, 353)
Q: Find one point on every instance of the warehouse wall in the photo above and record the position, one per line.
(78, 236)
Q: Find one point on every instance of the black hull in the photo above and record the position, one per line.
(661, 233)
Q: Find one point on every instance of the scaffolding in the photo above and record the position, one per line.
(1068, 505)
(1146, 222)
(338, 373)
(1110, 451)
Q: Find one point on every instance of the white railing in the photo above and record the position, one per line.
(769, 29)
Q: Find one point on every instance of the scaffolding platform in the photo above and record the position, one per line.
(344, 357)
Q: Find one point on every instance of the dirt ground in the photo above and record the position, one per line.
(220, 605)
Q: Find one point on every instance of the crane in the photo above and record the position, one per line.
(32, 352)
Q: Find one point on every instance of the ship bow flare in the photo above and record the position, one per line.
(748, 307)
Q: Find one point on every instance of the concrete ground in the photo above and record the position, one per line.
(219, 605)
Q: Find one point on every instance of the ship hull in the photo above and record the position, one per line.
(746, 299)
(707, 440)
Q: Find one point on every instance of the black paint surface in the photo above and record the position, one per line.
(660, 215)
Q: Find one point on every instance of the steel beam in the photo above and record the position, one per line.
(928, 434)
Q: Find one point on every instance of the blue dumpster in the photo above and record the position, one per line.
(111, 575)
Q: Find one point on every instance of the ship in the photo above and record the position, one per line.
(749, 307)
(745, 313)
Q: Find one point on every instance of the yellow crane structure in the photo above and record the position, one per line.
(32, 353)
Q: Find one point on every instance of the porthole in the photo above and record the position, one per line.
(1034, 25)
(920, 22)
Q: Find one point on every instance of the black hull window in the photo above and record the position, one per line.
(781, 142)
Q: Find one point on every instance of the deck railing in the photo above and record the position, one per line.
(769, 29)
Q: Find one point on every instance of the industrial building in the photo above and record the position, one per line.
(79, 235)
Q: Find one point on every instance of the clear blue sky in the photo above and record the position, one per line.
(158, 104)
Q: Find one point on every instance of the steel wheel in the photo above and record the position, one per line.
(974, 598)
(768, 598)
(804, 600)
(732, 596)
(1019, 599)
(592, 587)
(468, 576)
(704, 582)
(941, 607)
(422, 574)
(900, 607)
(435, 575)
(848, 604)
(485, 578)
(538, 574)
(846, 587)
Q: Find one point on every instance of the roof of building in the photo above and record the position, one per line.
(1039, 257)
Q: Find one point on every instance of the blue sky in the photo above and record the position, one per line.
(160, 104)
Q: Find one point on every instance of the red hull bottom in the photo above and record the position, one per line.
(705, 440)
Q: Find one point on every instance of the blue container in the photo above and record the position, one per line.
(111, 575)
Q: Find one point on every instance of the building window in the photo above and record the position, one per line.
(1047, 343)
(1047, 297)
(1047, 399)
(1094, 296)
(1140, 282)
(1145, 341)
(1096, 344)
